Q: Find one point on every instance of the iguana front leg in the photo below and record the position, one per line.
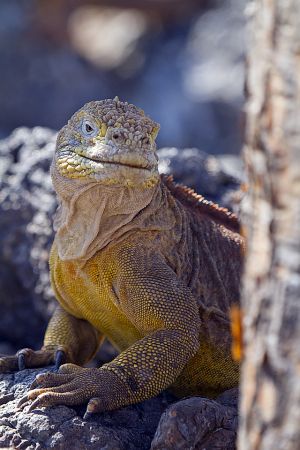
(166, 313)
(67, 339)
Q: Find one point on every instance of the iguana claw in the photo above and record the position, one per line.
(21, 361)
(60, 358)
(21, 402)
(88, 415)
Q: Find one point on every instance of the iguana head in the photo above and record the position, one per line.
(110, 142)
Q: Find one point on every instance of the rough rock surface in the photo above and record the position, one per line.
(191, 423)
(27, 203)
(199, 423)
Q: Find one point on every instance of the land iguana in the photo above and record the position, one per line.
(147, 263)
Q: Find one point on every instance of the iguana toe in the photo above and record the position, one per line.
(23, 358)
(52, 399)
(49, 379)
(73, 385)
(67, 394)
(28, 358)
(8, 364)
(71, 368)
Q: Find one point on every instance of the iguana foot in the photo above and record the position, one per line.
(72, 385)
(27, 358)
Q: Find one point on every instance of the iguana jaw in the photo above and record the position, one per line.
(108, 165)
(133, 166)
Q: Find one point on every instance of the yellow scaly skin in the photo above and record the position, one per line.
(161, 297)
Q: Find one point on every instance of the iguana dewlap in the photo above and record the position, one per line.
(150, 265)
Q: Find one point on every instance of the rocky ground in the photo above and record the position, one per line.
(189, 424)
(27, 203)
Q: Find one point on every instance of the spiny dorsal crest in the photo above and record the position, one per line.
(198, 203)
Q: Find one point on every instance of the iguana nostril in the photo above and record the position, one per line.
(118, 136)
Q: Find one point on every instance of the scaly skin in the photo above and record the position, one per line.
(161, 294)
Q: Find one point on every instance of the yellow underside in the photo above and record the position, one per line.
(89, 294)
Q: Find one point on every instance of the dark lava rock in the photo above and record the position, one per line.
(194, 423)
(199, 423)
(27, 203)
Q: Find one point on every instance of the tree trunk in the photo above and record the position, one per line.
(270, 388)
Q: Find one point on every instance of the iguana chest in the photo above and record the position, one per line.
(88, 293)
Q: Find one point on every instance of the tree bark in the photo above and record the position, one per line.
(270, 387)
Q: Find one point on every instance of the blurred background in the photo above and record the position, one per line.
(182, 61)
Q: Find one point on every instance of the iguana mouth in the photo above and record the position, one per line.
(117, 163)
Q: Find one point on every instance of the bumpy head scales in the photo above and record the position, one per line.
(111, 142)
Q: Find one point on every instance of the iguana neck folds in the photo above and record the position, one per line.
(91, 216)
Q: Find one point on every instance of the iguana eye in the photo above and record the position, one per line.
(89, 128)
